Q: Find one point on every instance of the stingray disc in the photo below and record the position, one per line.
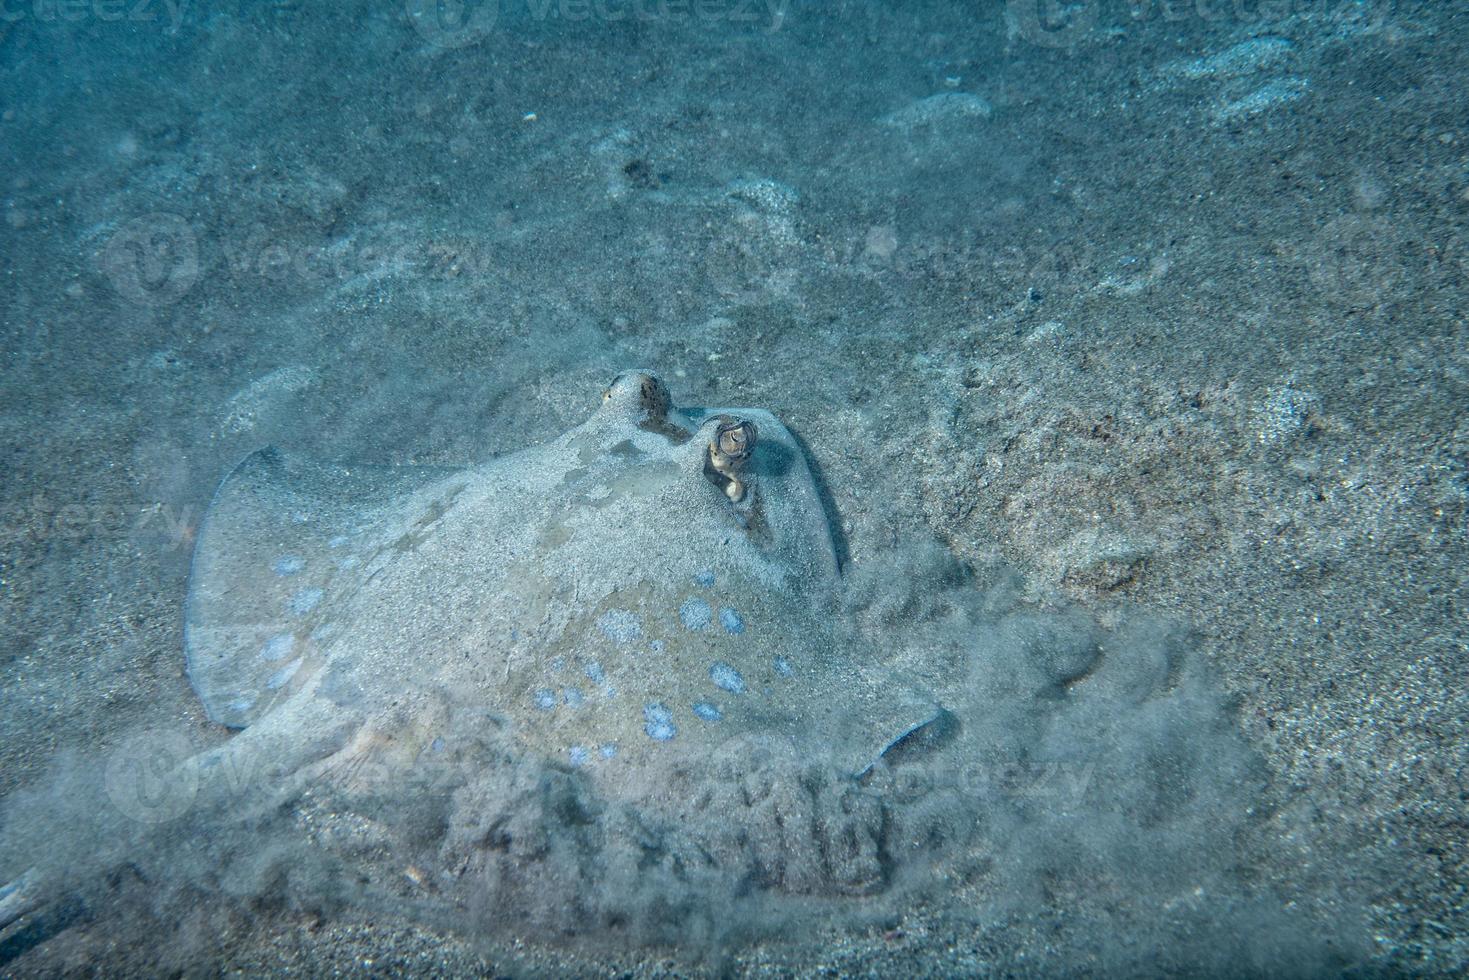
(608, 594)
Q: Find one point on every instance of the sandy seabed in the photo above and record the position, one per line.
(1154, 314)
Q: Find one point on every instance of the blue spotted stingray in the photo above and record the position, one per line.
(605, 589)
(627, 601)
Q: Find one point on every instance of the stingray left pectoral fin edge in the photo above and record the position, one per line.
(925, 736)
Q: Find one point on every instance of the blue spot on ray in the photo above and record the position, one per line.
(573, 697)
(594, 672)
(577, 754)
(707, 711)
(278, 647)
(289, 564)
(608, 751)
(305, 600)
(620, 626)
(705, 578)
(696, 615)
(658, 722)
(726, 677)
(783, 667)
(545, 698)
(731, 621)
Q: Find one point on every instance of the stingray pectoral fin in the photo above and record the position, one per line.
(21, 896)
(284, 543)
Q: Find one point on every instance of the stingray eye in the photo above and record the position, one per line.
(655, 396)
(735, 439)
(639, 392)
(729, 448)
